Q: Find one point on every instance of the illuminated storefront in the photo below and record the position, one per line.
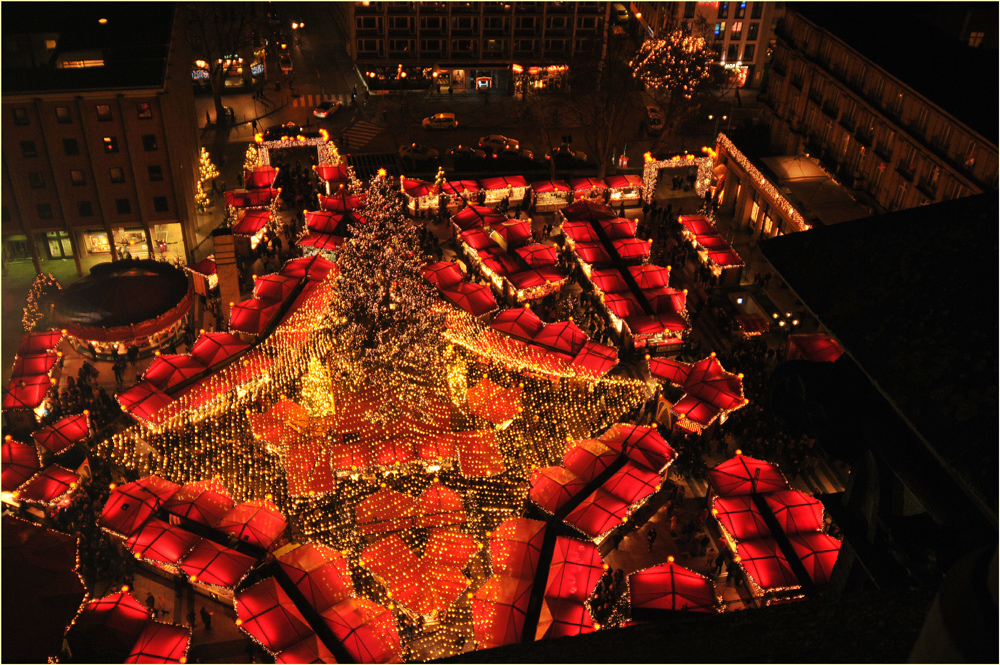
(535, 78)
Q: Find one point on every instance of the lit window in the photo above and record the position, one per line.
(110, 144)
(76, 176)
(103, 112)
(145, 110)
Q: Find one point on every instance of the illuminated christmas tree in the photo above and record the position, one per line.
(317, 393)
(200, 197)
(385, 313)
(252, 158)
(206, 169)
(39, 297)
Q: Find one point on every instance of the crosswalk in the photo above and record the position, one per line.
(312, 101)
(359, 134)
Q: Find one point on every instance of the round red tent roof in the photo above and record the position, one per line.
(20, 462)
(670, 586)
(744, 475)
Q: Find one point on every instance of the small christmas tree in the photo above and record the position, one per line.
(200, 198)
(252, 158)
(439, 178)
(385, 314)
(206, 169)
(39, 298)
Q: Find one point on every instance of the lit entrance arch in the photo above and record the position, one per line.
(326, 151)
(651, 171)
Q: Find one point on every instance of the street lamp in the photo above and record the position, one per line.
(712, 117)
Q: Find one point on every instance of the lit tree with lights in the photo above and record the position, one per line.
(206, 169)
(251, 158)
(679, 72)
(200, 197)
(40, 295)
(384, 313)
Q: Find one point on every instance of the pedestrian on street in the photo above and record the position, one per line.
(133, 355)
(208, 119)
(206, 618)
(253, 124)
(151, 603)
(191, 619)
(651, 537)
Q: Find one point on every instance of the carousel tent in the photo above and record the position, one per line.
(20, 462)
(670, 586)
(64, 433)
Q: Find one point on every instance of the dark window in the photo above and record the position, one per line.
(741, 9)
(77, 177)
(124, 206)
(160, 204)
(689, 9)
(85, 209)
(71, 147)
(44, 211)
(110, 144)
(62, 115)
(752, 32)
(748, 52)
(155, 173)
(723, 10)
(28, 149)
(20, 116)
(117, 174)
(731, 53)
(4, 214)
(103, 112)
(145, 110)
(149, 142)
(36, 180)
(758, 7)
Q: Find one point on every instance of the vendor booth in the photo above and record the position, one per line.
(548, 195)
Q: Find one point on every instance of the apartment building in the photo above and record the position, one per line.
(99, 144)
(469, 46)
(898, 110)
(740, 32)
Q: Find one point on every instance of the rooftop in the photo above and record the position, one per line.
(812, 191)
(133, 44)
(947, 71)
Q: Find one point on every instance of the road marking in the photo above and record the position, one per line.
(312, 101)
(360, 134)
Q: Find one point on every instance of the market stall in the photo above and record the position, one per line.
(421, 196)
(590, 189)
(548, 195)
(496, 189)
(625, 189)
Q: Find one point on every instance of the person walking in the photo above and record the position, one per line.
(133, 355)
(651, 537)
(119, 369)
(206, 618)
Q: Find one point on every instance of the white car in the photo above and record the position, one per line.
(515, 153)
(465, 152)
(497, 142)
(327, 108)
(441, 121)
(417, 152)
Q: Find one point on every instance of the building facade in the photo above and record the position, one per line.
(100, 148)
(741, 32)
(470, 46)
(888, 137)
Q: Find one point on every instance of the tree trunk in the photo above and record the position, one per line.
(218, 84)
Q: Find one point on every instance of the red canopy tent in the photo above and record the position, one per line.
(274, 288)
(260, 176)
(324, 221)
(144, 401)
(670, 586)
(331, 173)
(816, 347)
(252, 316)
(385, 511)
(740, 516)
(586, 184)
(64, 433)
(476, 299)
(213, 347)
(160, 541)
(257, 522)
(479, 453)
(323, 242)
(33, 364)
(563, 618)
(598, 514)
(520, 323)
(575, 569)
(515, 547)
(416, 189)
(546, 186)
(618, 228)
(477, 239)
(26, 392)
(107, 629)
(367, 630)
(244, 198)
(649, 276)
(579, 231)
(595, 359)
(623, 305)
(443, 274)
(320, 573)
(250, 222)
(494, 403)
(316, 267)
(205, 501)
(49, 485)
(745, 475)
(20, 462)
(753, 324)
(622, 181)
(459, 187)
(818, 553)
(128, 508)
(709, 389)
(697, 224)
(553, 486)
(588, 211)
(609, 280)
(513, 231)
(503, 182)
(166, 371)
(39, 342)
(712, 241)
(476, 216)
(439, 506)
(593, 253)
(498, 610)
(631, 249)
(269, 616)
(161, 643)
(642, 445)
(341, 201)
(765, 564)
(309, 650)
(211, 563)
(665, 300)
(564, 336)
(725, 258)
(795, 511)
(205, 267)
(588, 457)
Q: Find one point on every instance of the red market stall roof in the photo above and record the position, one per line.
(573, 573)
(244, 198)
(563, 618)
(503, 182)
(818, 553)
(476, 216)
(212, 348)
(309, 650)
(477, 239)
(20, 462)
(753, 324)
(709, 389)
(712, 241)
(642, 445)
(744, 475)
(160, 541)
(513, 231)
(324, 242)
(795, 511)
(593, 253)
(260, 176)
(740, 516)
(538, 256)
(330, 173)
(211, 563)
(580, 232)
(252, 315)
(320, 573)
(476, 299)
(587, 211)
(316, 267)
(546, 186)
(553, 486)
(726, 258)
(416, 189)
(596, 359)
(764, 562)
(128, 508)
(443, 274)
(586, 184)
(520, 323)
(697, 224)
(257, 522)
(39, 342)
(458, 187)
(275, 287)
(631, 249)
(623, 181)
(325, 221)
(623, 305)
(649, 276)
(515, 547)
(34, 364)
(107, 629)
(367, 630)
(204, 267)
(268, 615)
(564, 336)
(250, 222)
(49, 485)
(166, 371)
(204, 501)
(144, 401)
(26, 392)
(341, 201)
(664, 300)
(161, 643)
(609, 280)
(618, 228)
(670, 586)
(815, 347)
(64, 433)
(498, 610)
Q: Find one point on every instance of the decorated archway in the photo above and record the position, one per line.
(652, 167)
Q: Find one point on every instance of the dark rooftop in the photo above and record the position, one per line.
(134, 43)
(960, 79)
(911, 296)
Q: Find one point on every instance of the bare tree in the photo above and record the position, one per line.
(219, 33)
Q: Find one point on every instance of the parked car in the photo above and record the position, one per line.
(418, 153)
(564, 156)
(326, 109)
(441, 121)
(654, 119)
(497, 142)
(513, 153)
(465, 152)
(285, 62)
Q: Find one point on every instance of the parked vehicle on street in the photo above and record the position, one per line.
(465, 152)
(418, 153)
(511, 153)
(326, 109)
(567, 157)
(285, 62)
(496, 142)
(441, 121)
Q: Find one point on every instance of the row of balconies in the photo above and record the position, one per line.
(476, 8)
(472, 32)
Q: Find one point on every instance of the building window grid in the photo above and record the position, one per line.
(77, 178)
(160, 204)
